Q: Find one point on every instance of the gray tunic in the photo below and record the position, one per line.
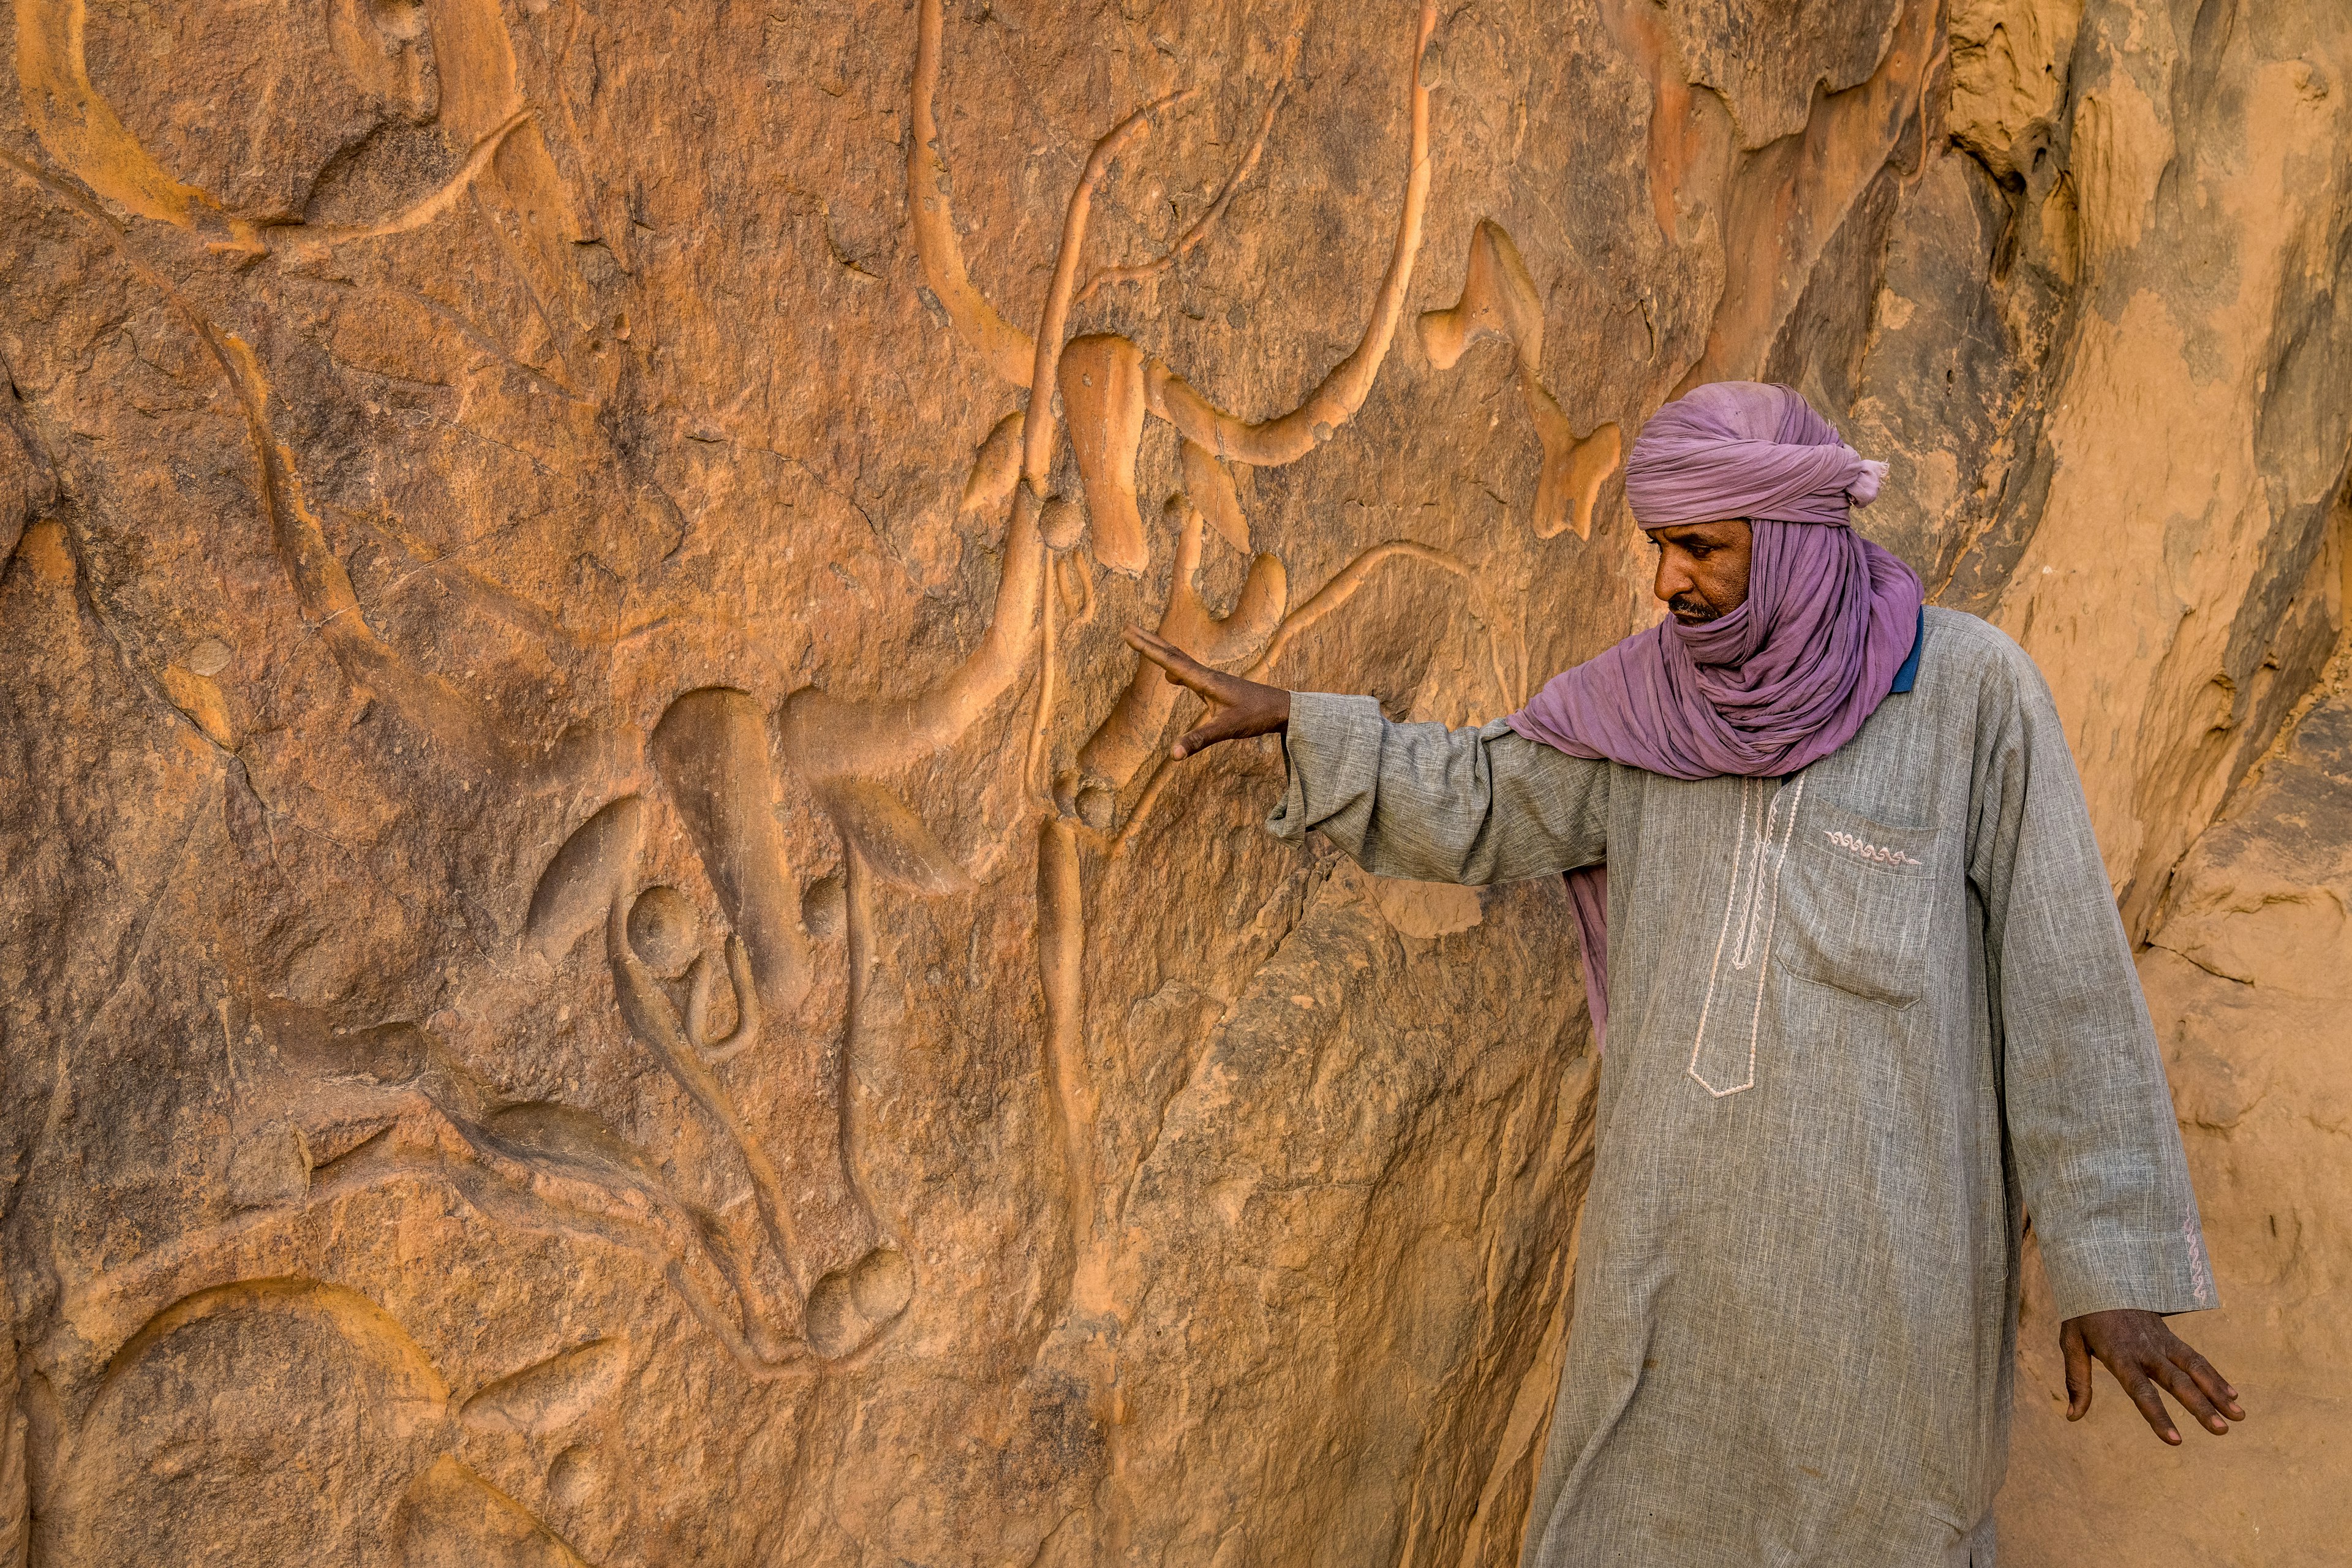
(1861, 1021)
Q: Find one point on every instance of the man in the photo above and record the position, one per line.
(1868, 1003)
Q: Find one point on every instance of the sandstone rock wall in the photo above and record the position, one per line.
(598, 965)
(2247, 981)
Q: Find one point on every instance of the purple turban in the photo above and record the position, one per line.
(1781, 682)
(1744, 448)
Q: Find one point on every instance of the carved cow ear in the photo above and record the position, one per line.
(549, 1396)
(587, 875)
(1211, 489)
(995, 466)
(1102, 395)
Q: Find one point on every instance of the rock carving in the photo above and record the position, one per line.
(1500, 301)
(1131, 733)
(800, 1273)
(200, 1394)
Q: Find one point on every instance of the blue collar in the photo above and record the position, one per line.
(1909, 673)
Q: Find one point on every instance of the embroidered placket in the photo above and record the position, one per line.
(1755, 899)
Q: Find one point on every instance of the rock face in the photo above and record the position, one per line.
(599, 962)
(2247, 980)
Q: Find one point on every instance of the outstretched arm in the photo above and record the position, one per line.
(1418, 801)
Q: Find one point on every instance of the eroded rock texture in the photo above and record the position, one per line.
(599, 964)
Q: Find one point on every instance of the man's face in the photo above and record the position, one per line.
(1702, 568)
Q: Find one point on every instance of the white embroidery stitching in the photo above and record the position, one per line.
(1745, 953)
(1867, 850)
(1740, 857)
(1766, 862)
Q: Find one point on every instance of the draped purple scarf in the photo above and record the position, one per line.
(1781, 682)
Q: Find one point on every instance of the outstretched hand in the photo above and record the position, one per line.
(1237, 707)
(2145, 1356)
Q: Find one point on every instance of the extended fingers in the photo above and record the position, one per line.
(2182, 1387)
(1222, 724)
(1182, 668)
(2150, 1361)
(2208, 1378)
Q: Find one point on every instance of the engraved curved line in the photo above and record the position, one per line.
(1007, 348)
(652, 1019)
(828, 738)
(1343, 585)
(702, 980)
(418, 214)
(1037, 433)
(710, 751)
(1060, 971)
(440, 1504)
(74, 120)
(1289, 436)
(1010, 352)
(1499, 299)
(546, 1195)
(1130, 731)
(551, 1394)
(361, 1320)
(1210, 488)
(631, 1215)
(1044, 719)
(584, 877)
(322, 589)
(1193, 235)
(78, 123)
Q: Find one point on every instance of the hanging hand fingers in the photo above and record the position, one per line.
(2208, 1378)
(2149, 1403)
(2183, 1388)
(2078, 1370)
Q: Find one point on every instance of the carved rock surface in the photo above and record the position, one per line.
(598, 963)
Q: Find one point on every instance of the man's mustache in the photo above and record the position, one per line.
(1690, 607)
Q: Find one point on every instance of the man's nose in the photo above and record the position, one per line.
(1673, 577)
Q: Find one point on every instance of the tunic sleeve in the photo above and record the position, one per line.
(2090, 1128)
(1435, 805)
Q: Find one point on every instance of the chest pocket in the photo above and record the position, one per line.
(1857, 896)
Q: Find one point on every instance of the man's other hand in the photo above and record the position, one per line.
(2145, 1355)
(1237, 707)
